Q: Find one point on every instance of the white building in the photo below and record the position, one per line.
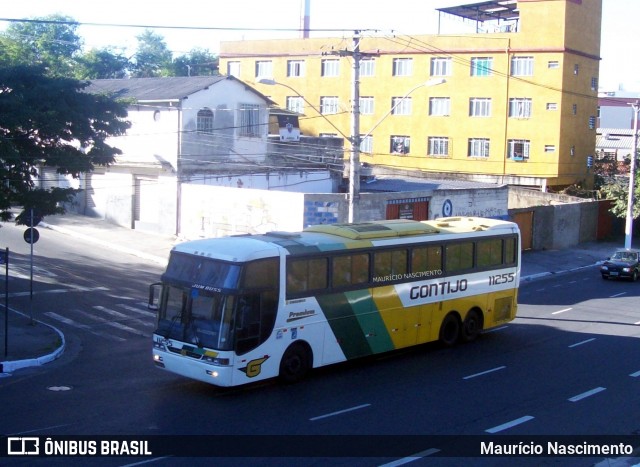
(182, 128)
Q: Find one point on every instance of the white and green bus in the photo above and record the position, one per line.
(240, 309)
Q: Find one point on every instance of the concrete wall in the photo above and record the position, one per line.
(213, 211)
(562, 225)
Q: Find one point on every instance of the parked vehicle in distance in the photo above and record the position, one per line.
(622, 264)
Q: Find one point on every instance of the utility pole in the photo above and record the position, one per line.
(628, 230)
(354, 139)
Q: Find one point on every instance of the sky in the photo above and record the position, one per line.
(223, 20)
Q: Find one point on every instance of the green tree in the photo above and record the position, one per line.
(152, 57)
(50, 121)
(618, 192)
(198, 62)
(104, 63)
(51, 41)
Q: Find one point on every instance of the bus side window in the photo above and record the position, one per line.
(426, 258)
(489, 252)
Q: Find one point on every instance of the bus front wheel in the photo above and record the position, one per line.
(296, 363)
(450, 330)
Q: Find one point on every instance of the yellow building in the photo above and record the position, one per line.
(516, 101)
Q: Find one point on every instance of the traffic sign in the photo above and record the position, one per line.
(31, 235)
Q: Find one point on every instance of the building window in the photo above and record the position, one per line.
(518, 149)
(574, 109)
(400, 145)
(264, 69)
(481, 66)
(549, 148)
(366, 105)
(592, 122)
(478, 147)
(552, 106)
(553, 64)
(438, 146)
(233, 69)
(402, 66)
(367, 67)
(330, 68)
(295, 104)
(594, 83)
(439, 106)
(441, 66)
(522, 66)
(204, 121)
(480, 107)
(366, 144)
(295, 68)
(400, 106)
(328, 105)
(576, 69)
(520, 107)
(249, 120)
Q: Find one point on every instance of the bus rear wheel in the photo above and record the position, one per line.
(295, 364)
(450, 330)
(471, 326)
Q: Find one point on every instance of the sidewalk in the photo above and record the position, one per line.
(34, 343)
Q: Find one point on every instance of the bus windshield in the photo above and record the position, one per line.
(197, 316)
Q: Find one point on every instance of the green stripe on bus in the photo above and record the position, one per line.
(356, 323)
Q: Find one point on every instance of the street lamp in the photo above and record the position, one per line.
(628, 230)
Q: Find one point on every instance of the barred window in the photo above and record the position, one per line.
(478, 147)
(402, 66)
(480, 107)
(249, 120)
(518, 149)
(481, 66)
(295, 68)
(522, 66)
(441, 66)
(520, 107)
(400, 106)
(366, 105)
(295, 104)
(330, 67)
(438, 146)
(204, 121)
(367, 67)
(264, 69)
(329, 105)
(400, 145)
(439, 106)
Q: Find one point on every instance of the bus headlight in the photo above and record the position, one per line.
(216, 361)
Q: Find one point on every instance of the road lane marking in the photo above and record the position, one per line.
(339, 412)
(84, 327)
(411, 458)
(69, 289)
(136, 310)
(618, 295)
(582, 342)
(561, 311)
(485, 372)
(117, 314)
(635, 375)
(510, 424)
(586, 394)
(637, 322)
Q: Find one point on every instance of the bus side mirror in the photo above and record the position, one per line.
(154, 296)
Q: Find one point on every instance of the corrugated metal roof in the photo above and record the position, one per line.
(614, 138)
(160, 89)
(397, 184)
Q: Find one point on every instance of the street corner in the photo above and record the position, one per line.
(26, 342)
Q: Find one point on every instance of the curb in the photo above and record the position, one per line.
(13, 365)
